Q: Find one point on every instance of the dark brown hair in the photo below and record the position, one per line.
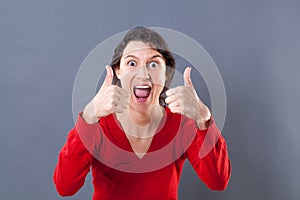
(152, 38)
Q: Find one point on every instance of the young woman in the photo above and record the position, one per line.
(136, 133)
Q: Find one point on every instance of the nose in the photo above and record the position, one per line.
(143, 73)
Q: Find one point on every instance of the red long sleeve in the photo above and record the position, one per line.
(75, 160)
(206, 151)
(209, 158)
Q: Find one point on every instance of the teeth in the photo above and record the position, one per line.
(142, 87)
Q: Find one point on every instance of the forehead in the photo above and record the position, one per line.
(137, 47)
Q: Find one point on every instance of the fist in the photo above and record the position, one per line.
(184, 100)
(109, 99)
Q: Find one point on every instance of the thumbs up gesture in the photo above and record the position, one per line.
(184, 100)
(109, 99)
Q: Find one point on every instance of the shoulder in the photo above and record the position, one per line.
(176, 118)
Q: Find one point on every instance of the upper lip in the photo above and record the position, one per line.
(143, 86)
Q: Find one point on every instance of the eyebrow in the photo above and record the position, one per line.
(155, 56)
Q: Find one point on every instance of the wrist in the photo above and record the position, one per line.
(204, 118)
(89, 115)
(202, 125)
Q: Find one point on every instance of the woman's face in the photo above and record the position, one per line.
(142, 73)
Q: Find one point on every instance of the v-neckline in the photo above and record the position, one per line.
(140, 155)
(158, 132)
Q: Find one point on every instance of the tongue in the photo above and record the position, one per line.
(142, 93)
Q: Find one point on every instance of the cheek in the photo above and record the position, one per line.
(123, 72)
(125, 81)
(160, 78)
(125, 78)
(159, 82)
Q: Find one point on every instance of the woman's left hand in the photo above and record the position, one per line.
(184, 100)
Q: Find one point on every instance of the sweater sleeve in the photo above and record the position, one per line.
(209, 157)
(75, 157)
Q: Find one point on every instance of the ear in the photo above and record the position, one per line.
(166, 73)
(117, 72)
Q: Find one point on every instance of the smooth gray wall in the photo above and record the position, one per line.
(255, 44)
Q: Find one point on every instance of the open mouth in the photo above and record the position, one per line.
(142, 92)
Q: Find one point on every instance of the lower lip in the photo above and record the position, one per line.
(141, 100)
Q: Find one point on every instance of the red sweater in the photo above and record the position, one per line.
(119, 174)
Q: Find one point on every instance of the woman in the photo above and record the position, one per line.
(136, 133)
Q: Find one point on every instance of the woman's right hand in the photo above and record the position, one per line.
(109, 99)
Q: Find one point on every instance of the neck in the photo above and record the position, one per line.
(140, 118)
(141, 124)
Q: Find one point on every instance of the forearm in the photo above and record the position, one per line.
(216, 166)
(209, 157)
(75, 157)
(72, 167)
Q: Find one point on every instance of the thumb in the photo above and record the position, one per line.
(187, 77)
(109, 76)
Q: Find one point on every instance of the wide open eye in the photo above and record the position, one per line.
(131, 63)
(153, 64)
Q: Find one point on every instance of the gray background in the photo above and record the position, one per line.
(254, 43)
